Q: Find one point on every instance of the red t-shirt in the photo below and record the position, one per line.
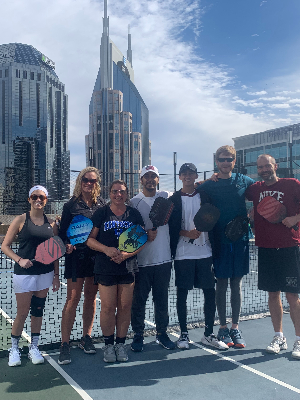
(287, 191)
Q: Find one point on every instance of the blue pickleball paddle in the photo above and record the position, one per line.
(132, 239)
(79, 229)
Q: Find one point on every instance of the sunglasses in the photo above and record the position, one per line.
(228, 159)
(35, 197)
(118, 191)
(86, 180)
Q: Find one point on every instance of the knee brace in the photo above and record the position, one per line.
(37, 306)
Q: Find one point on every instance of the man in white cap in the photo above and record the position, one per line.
(154, 263)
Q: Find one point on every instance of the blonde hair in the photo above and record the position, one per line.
(96, 188)
(226, 149)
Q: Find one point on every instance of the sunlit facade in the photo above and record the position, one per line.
(118, 140)
(33, 129)
(275, 142)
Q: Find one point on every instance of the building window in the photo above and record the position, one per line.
(0, 73)
(117, 161)
(126, 141)
(38, 115)
(111, 160)
(111, 122)
(99, 123)
(39, 76)
(20, 104)
(17, 73)
(99, 141)
(24, 74)
(117, 141)
(6, 73)
(111, 141)
(99, 161)
(3, 112)
(32, 76)
(136, 162)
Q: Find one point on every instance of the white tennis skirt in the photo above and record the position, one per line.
(32, 283)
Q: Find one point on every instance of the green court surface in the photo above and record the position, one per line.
(33, 382)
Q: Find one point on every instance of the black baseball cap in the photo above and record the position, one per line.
(186, 166)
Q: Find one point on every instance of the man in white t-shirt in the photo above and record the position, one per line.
(192, 252)
(154, 263)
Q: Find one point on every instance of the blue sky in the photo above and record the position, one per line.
(208, 70)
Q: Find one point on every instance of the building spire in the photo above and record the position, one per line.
(129, 51)
(105, 53)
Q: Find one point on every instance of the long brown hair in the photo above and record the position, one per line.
(96, 188)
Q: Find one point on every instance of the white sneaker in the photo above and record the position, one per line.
(14, 357)
(212, 341)
(296, 349)
(35, 356)
(183, 341)
(276, 345)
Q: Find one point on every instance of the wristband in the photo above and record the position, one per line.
(56, 274)
(19, 260)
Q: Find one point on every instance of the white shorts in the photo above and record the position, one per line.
(32, 283)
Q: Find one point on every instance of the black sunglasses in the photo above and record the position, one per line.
(34, 197)
(86, 180)
(228, 159)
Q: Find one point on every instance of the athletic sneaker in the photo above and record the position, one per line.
(183, 341)
(296, 349)
(224, 336)
(212, 341)
(137, 343)
(109, 353)
(86, 344)
(164, 340)
(121, 352)
(35, 356)
(64, 355)
(14, 357)
(276, 345)
(237, 338)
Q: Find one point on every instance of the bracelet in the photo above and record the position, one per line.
(56, 274)
(19, 260)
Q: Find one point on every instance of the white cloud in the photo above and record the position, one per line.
(283, 105)
(188, 98)
(255, 34)
(257, 93)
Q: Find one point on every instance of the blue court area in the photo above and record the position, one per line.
(155, 373)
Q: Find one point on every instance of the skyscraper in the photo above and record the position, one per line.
(118, 139)
(33, 129)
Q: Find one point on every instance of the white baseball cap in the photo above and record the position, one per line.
(149, 168)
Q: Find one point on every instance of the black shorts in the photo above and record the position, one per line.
(83, 263)
(194, 273)
(111, 280)
(279, 269)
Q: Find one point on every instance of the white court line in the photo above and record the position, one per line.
(239, 364)
(50, 360)
(67, 377)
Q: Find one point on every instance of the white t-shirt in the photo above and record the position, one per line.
(158, 251)
(201, 247)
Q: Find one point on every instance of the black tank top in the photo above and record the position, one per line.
(30, 237)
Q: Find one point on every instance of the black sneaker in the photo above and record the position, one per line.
(86, 344)
(137, 343)
(64, 356)
(164, 340)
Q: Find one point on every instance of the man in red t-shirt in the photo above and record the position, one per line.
(278, 249)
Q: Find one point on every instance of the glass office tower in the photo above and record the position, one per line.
(33, 129)
(118, 141)
(281, 143)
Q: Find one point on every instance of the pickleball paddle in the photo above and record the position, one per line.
(272, 210)
(237, 228)
(50, 250)
(160, 212)
(206, 218)
(132, 239)
(79, 229)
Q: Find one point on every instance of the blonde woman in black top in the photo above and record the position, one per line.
(31, 279)
(79, 263)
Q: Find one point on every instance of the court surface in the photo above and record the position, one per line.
(155, 373)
